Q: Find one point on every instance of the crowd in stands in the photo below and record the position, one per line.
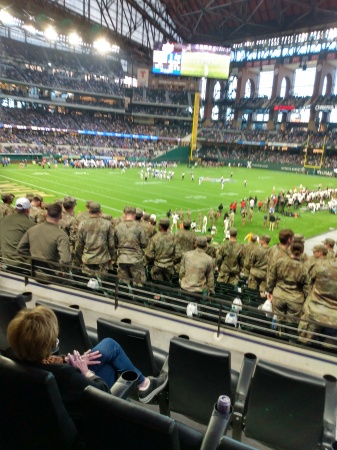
(150, 95)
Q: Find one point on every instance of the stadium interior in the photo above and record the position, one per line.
(79, 82)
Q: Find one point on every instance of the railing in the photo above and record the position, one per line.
(231, 306)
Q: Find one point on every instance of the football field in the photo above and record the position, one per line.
(115, 189)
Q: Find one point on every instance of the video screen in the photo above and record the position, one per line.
(192, 60)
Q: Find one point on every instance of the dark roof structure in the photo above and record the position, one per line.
(224, 22)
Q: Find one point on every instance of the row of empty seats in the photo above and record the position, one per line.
(279, 407)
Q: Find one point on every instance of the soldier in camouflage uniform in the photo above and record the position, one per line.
(83, 215)
(130, 240)
(330, 243)
(258, 265)
(210, 249)
(68, 223)
(229, 259)
(150, 230)
(197, 269)
(247, 250)
(280, 250)
(37, 212)
(6, 208)
(314, 262)
(184, 240)
(321, 305)
(95, 243)
(162, 252)
(288, 284)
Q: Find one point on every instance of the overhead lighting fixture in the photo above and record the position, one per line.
(30, 29)
(50, 34)
(102, 45)
(7, 19)
(74, 39)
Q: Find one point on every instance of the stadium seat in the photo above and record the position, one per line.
(283, 408)
(198, 374)
(123, 425)
(10, 305)
(73, 334)
(136, 343)
(32, 415)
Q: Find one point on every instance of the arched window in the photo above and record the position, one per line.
(248, 89)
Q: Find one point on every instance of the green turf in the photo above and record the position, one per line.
(114, 189)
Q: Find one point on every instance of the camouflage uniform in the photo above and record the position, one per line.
(288, 282)
(247, 251)
(162, 252)
(197, 271)
(37, 214)
(95, 245)
(130, 240)
(321, 304)
(258, 268)
(229, 261)
(149, 229)
(6, 208)
(68, 223)
(276, 252)
(184, 241)
(210, 249)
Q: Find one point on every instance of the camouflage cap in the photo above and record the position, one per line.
(254, 237)
(164, 221)
(201, 241)
(87, 203)
(299, 237)
(129, 210)
(320, 248)
(139, 213)
(186, 223)
(329, 241)
(266, 238)
(68, 201)
(233, 232)
(94, 208)
(38, 196)
(209, 238)
(7, 196)
(146, 216)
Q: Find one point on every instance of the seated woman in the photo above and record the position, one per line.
(32, 334)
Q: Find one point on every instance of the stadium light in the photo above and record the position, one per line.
(30, 29)
(74, 39)
(102, 45)
(50, 34)
(6, 18)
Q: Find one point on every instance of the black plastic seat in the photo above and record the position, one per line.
(32, 415)
(198, 375)
(73, 334)
(10, 305)
(117, 423)
(283, 408)
(136, 343)
(123, 425)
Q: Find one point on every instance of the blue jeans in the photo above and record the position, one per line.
(114, 361)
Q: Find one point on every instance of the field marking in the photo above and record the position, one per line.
(64, 194)
(196, 197)
(157, 200)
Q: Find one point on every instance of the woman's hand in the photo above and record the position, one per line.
(79, 362)
(91, 357)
